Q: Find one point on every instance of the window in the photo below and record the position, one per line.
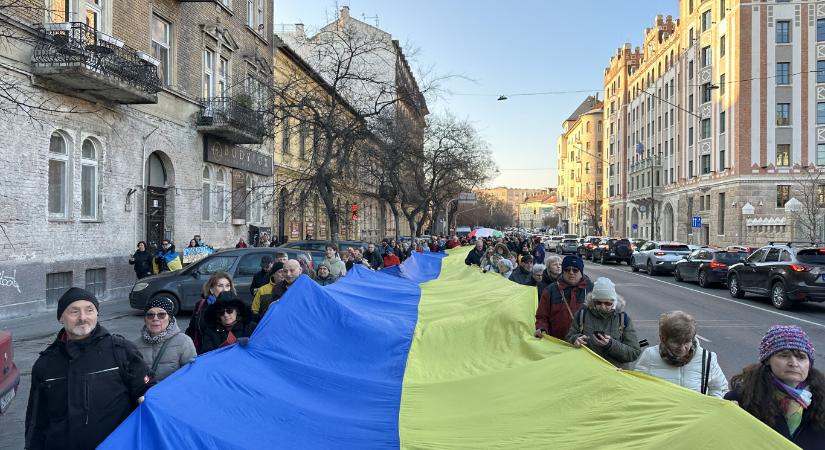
(783, 114)
(783, 155)
(783, 31)
(820, 30)
(60, 11)
(96, 282)
(706, 56)
(302, 139)
(255, 15)
(220, 197)
(706, 128)
(690, 169)
(208, 73)
(820, 113)
(285, 135)
(705, 164)
(58, 176)
(722, 124)
(161, 47)
(690, 70)
(94, 14)
(820, 154)
(88, 180)
(783, 194)
(56, 285)
(773, 255)
(722, 49)
(690, 136)
(206, 195)
(820, 195)
(722, 9)
(820, 71)
(721, 214)
(250, 13)
(223, 84)
(721, 167)
(706, 20)
(783, 73)
(723, 82)
(706, 92)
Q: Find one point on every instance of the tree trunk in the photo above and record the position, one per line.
(394, 210)
(325, 191)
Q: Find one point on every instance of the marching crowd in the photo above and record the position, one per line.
(88, 380)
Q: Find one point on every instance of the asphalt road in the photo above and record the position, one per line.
(732, 328)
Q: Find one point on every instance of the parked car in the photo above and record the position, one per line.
(787, 273)
(586, 246)
(321, 245)
(184, 287)
(707, 266)
(613, 250)
(636, 244)
(552, 243)
(566, 246)
(10, 377)
(658, 256)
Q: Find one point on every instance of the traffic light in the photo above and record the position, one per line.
(354, 210)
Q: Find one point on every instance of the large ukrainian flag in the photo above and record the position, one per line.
(433, 355)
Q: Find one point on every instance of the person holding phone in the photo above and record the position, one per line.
(604, 326)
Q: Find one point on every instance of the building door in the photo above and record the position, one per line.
(705, 234)
(155, 216)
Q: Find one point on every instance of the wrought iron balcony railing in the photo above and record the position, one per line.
(231, 120)
(86, 61)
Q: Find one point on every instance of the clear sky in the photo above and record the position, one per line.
(495, 48)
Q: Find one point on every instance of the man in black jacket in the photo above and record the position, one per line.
(85, 383)
(523, 274)
(373, 257)
(262, 277)
(475, 255)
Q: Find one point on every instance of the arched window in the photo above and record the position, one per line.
(206, 194)
(88, 180)
(220, 197)
(58, 176)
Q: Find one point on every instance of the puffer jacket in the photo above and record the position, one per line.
(623, 347)
(521, 277)
(689, 375)
(337, 267)
(178, 353)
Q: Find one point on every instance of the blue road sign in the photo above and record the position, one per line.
(697, 222)
(635, 226)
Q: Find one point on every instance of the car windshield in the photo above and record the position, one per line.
(674, 248)
(570, 241)
(731, 257)
(214, 264)
(811, 256)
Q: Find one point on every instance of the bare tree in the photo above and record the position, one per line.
(488, 211)
(809, 190)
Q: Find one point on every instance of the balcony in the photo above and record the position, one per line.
(231, 120)
(644, 164)
(75, 59)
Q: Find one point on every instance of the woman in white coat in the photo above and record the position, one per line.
(680, 359)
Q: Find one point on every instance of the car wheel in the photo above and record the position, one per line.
(676, 275)
(633, 265)
(779, 297)
(734, 289)
(649, 268)
(171, 298)
(703, 279)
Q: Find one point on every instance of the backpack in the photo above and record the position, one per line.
(622, 321)
(121, 357)
(707, 357)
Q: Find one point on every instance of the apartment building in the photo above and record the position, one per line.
(138, 123)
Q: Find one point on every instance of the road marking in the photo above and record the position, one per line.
(729, 300)
(703, 339)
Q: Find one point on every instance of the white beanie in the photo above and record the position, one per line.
(604, 289)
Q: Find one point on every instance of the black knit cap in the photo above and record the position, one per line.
(160, 302)
(73, 295)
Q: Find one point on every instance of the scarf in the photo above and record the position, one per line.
(673, 360)
(793, 402)
(152, 340)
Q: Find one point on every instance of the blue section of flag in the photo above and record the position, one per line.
(324, 369)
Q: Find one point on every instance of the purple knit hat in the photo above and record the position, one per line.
(785, 337)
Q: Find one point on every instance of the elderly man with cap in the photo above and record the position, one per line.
(784, 390)
(523, 274)
(163, 346)
(604, 326)
(85, 383)
(560, 300)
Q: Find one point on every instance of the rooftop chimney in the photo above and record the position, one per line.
(344, 12)
(299, 30)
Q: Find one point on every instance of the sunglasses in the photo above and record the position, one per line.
(571, 270)
(160, 315)
(227, 311)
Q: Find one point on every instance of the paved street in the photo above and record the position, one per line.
(730, 327)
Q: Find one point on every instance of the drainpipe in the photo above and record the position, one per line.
(142, 183)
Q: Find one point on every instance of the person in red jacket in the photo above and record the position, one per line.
(560, 300)
(453, 243)
(390, 259)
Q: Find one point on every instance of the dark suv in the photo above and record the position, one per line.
(707, 266)
(184, 287)
(587, 245)
(787, 273)
(614, 250)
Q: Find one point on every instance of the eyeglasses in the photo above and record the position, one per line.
(160, 315)
(227, 311)
(571, 270)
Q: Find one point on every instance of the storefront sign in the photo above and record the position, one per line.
(238, 157)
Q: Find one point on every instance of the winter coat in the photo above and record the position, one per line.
(177, 353)
(806, 437)
(624, 345)
(391, 260)
(521, 277)
(197, 323)
(337, 267)
(216, 334)
(474, 257)
(325, 281)
(374, 258)
(552, 315)
(546, 279)
(259, 279)
(689, 375)
(267, 295)
(538, 254)
(142, 260)
(164, 257)
(82, 390)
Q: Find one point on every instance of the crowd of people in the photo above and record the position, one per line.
(88, 380)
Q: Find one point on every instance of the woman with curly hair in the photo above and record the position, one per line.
(784, 390)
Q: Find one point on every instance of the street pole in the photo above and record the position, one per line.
(652, 202)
